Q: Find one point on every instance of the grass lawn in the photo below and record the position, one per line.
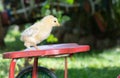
(105, 64)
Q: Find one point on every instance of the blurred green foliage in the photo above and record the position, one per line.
(45, 8)
(47, 11)
(52, 39)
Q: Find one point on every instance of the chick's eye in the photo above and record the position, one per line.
(55, 21)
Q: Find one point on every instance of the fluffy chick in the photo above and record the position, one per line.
(39, 31)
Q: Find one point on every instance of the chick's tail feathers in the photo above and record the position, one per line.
(26, 38)
(23, 38)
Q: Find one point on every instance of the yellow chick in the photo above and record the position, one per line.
(39, 31)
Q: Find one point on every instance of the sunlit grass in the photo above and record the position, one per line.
(4, 66)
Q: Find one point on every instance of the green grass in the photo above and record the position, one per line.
(105, 64)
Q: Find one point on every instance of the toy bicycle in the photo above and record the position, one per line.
(54, 50)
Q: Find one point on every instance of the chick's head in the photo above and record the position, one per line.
(51, 20)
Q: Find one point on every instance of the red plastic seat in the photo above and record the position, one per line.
(45, 50)
(48, 50)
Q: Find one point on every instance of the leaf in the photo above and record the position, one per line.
(70, 1)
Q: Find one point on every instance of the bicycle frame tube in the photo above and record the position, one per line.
(66, 70)
(12, 68)
(35, 68)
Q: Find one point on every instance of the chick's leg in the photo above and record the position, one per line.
(36, 47)
(28, 59)
(27, 45)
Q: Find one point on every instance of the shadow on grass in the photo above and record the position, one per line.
(108, 72)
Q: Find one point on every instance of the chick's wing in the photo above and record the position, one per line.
(30, 32)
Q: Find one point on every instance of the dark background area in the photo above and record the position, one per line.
(92, 22)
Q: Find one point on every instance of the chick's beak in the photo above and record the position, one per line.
(58, 24)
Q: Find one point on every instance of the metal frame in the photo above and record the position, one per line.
(49, 50)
